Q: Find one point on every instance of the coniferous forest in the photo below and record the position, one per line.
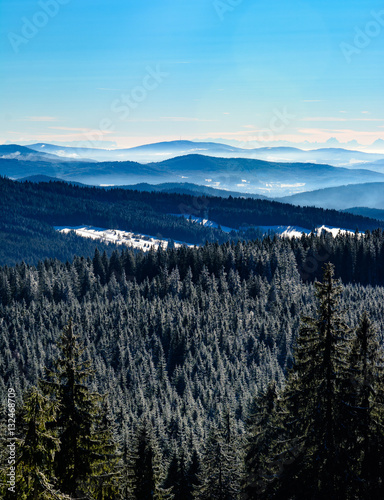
(30, 210)
(191, 250)
(246, 370)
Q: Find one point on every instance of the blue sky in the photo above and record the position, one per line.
(134, 72)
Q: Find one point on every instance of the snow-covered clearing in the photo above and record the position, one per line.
(146, 242)
(284, 231)
(134, 240)
(296, 231)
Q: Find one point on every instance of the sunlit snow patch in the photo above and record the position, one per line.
(134, 240)
(284, 231)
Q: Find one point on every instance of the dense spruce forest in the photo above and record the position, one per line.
(31, 210)
(240, 370)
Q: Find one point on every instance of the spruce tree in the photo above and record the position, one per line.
(146, 468)
(364, 401)
(221, 470)
(87, 450)
(193, 473)
(177, 478)
(261, 432)
(104, 482)
(314, 403)
(36, 450)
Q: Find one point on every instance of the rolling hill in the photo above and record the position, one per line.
(167, 187)
(236, 174)
(164, 150)
(367, 212)
(370, 195)
(16, 152)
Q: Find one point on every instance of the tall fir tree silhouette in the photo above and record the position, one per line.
(87, 450)
(364, 410)
(315, 459)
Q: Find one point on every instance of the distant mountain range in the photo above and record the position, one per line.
(318, 177)
(375, 147)
(165, 150)
(257, 176)
(235, 174)
(16, 152)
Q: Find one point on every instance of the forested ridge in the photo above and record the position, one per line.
(220, 372)
(29, 211)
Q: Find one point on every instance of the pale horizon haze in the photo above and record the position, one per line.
(124, 73)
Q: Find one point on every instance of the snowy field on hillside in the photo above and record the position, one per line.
(146, 242)
(296, 231)
(133, 240)
(284, 231)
